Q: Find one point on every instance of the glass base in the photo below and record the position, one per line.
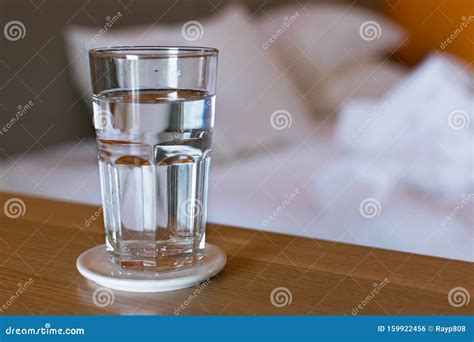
(96, 266)
(155, 257)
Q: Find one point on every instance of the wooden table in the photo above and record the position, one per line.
(321, 277)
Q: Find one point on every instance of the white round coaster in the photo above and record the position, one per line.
(94, 265)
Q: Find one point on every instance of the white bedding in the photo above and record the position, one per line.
(272, 192)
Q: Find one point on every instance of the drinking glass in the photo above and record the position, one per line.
(154, 117)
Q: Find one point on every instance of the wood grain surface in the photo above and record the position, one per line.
(38, 251)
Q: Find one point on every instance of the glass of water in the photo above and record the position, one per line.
(154, 117)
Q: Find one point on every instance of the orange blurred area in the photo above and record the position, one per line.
(446, 25)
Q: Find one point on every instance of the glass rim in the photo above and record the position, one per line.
(149, 51)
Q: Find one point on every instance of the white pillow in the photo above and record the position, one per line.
(249, 88)
(315, 40)
(370, 80)
(424, 123)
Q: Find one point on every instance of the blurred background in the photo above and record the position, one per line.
(342, 120)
